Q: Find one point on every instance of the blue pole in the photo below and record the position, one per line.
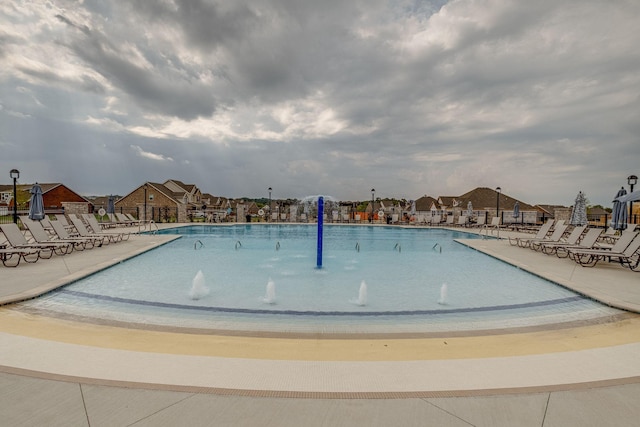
(320, 223)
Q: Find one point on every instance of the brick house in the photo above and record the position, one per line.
(159, 199)
(56, 197)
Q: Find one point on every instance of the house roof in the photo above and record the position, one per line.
(186, 187)
(424, 203)
(448, 201)
(24, 194)
(486, 198)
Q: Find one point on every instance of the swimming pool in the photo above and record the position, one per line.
(263, 278)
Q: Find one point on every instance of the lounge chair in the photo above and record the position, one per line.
(132, 218)
(556, 236)
(495, 222)
(610, 235)
(524, 242)
(63, 220)
(462, 221)
(40, 235)
(16, 254)
(623, 242)
(588, 241)
(571, 240)
(63, 234)
(97, 229)
(124, 219)
(480, 221)
(84, 232)
(627, 257)
(17, 241)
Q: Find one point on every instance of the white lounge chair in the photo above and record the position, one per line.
(63, 234)
(480, 221)
(10, 255)
(571, 240)
(40, 235)
(524, 242)
(586, 241)
(97, 228)
(83, 231)
(628, 256)
(16, 240)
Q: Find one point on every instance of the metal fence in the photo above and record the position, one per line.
(169, 214)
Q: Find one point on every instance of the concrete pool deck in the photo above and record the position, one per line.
(73, 373)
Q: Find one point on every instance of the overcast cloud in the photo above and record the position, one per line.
(541, 98)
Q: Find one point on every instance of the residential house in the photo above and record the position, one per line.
(485, 201)
(188, 193)
(55, 196)
(425, 208)
(162, 203)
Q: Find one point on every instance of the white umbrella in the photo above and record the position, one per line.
(469, 209)
(579, 212)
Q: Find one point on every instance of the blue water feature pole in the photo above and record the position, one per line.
(320, 231)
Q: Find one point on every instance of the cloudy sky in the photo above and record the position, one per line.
(541, 98)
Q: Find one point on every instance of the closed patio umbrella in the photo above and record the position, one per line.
(36, 204)
(619, 214)
(579, 212)
(469, 209)
(111, 206)
(516, 210)
(631, 197)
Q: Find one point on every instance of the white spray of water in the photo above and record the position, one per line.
(362, 295)
(443, 294)
(270, 296)
(198, 287)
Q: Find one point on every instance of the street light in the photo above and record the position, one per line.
(373, 194)
(631, 180)
(15, 174)
(269, 215)
(498, 190)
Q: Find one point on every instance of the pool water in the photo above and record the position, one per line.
(414, 280)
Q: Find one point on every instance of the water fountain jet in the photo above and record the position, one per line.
(270, 295)
(443, 294)
(198, 287)
(362, 295)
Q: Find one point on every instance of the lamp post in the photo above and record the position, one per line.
(631, 180)
(498, 190)
(15, 174)
(269, 215)
(373, 194)
(145, 203)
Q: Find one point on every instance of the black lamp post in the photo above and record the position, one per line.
(373, 194)
(631, 180)
(15, 174)
(498, 190)
(269, 215)
(145, 203)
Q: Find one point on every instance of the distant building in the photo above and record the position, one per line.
(56, 197)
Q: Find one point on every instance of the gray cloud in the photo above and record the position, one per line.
(409, 97)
